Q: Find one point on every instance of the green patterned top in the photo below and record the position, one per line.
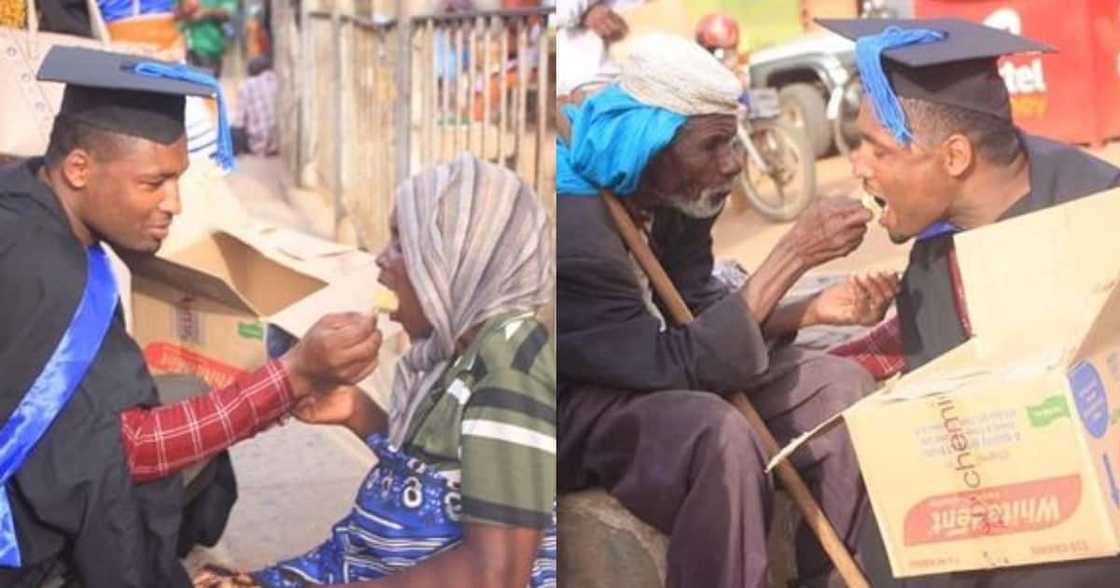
(491, 423)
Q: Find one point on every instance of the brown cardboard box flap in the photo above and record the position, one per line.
(189, 280)
(1041, 291)
(229, 270)
(1002, 451)
(1041, 276)
(1105, 330)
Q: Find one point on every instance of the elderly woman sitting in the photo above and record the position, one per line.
(463, 492)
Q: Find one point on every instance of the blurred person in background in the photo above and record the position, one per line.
(254, 118)
(719, 34)
(204, 21)
(585, 29)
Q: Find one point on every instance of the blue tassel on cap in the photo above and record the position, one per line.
(224, 154)
(869, 53)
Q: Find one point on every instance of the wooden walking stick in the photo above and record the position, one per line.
(791, 480)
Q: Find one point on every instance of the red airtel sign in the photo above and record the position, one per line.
(1072, 95)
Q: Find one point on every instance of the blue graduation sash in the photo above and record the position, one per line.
(54, 386)
(937, 229)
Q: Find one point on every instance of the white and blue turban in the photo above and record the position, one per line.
(615, 133)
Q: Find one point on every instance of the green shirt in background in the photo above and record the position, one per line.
(207, 37)
(490, 422)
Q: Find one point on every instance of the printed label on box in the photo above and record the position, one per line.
(251, 331)
(1048, 411)
(1000, 510)
(187, 325)
(1088, 393)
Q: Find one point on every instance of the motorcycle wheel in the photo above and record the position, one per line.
(844, 131)
(791, 185)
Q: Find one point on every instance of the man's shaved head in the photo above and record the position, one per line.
(68, 135)
(995, 139)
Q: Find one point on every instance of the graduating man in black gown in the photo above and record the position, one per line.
(948, 159)
(77, 403)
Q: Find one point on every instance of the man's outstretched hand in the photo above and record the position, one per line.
(213, 576)
(339, 349)
(860, 300)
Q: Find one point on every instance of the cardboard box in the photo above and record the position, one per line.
(224, 304)
(206, 308)
(1006, 450)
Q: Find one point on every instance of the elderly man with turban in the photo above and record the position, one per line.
(640, 407)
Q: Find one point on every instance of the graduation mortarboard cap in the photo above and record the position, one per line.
(946, 61)
(129, 94)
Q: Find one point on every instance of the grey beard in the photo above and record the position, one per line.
(703, 207)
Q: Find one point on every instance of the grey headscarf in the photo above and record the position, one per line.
(477, 243)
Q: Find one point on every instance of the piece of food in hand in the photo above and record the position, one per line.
(385, 302)
(872, 205)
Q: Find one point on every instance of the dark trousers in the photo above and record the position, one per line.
(686, 463)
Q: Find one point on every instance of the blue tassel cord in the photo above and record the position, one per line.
(869, 60)
(224, 155)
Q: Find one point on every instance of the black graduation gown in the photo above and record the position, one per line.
(929, 323)
(930, 326)
(73, 499)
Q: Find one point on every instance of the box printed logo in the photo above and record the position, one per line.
(1048, 411)
(1001, 510)
(1024, 77)
(1092, 402)
(187, 325)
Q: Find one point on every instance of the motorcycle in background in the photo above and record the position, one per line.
(843, 103)
(843, 109)
(779, 175)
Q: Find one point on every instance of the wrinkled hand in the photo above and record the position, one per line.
(215, 577)
(830, 228)
(861, 300)
(339, 349)
(605, 22)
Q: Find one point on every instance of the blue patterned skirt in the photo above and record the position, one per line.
(404, 513)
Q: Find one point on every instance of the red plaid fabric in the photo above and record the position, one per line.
(880, 351)
(162, 440)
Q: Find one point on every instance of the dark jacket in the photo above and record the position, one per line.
(73, 499)
(607, 335)
(929, 323)
(930, 326)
